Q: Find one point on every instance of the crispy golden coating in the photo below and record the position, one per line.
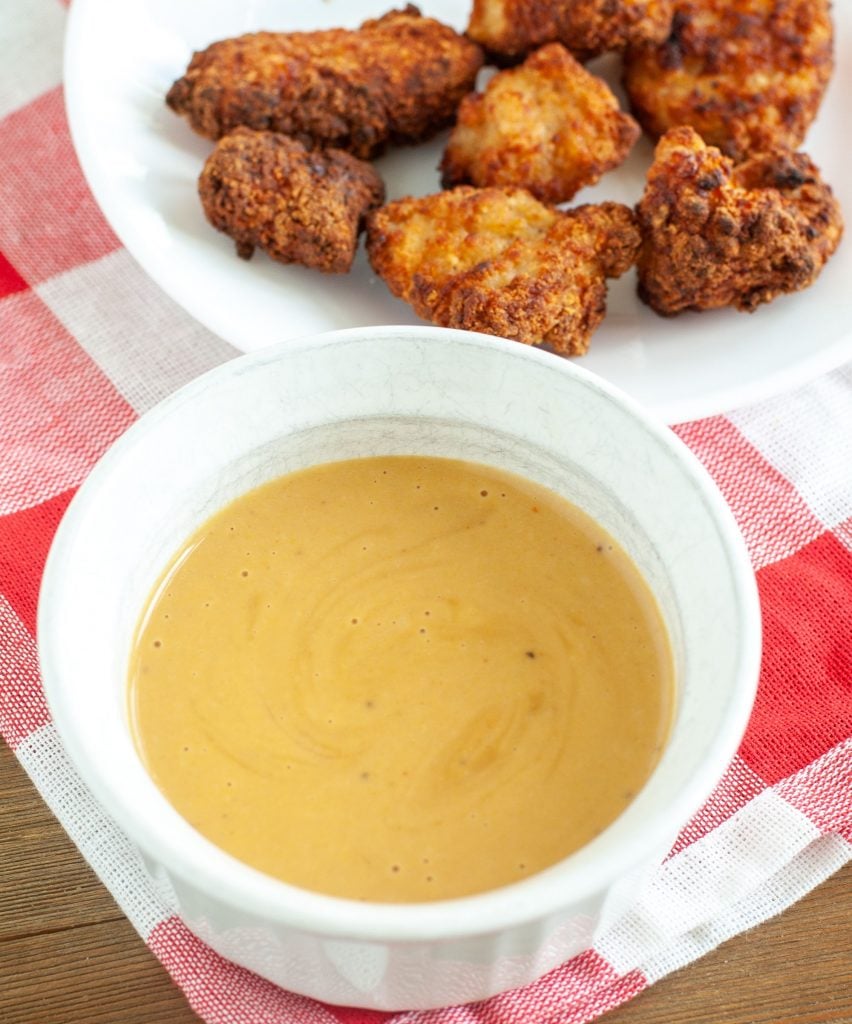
(266, 190)
(508, 29)
(498, 261)
(717, 235)
(397, 78)
(548, 126)
(748, 75)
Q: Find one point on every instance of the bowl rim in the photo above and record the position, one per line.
(570, 881)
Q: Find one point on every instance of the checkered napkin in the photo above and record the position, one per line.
(87, 343)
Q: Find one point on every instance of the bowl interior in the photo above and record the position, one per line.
(396, 391)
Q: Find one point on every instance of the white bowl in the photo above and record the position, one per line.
(398, 390)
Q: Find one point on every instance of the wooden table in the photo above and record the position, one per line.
(69, 956)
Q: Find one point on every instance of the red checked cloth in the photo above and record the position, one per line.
(87, 343)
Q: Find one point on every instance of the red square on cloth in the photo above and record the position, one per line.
(25, 539)
(804, 701)
(352, 1015)
(10, 280)
(50, 221)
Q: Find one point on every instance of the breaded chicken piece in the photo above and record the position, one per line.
(398, 78)
(266, 190)
(498, 261)
(548, 126)
(509, 29)
(718, 235)
(748, 75)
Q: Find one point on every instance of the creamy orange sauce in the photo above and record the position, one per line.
(401, 679)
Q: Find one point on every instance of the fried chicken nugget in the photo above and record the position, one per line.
(265, 189)
(498, 261)
(548, 126)
(509, 29)
(748, 75)
(398, 78)
(717, 235)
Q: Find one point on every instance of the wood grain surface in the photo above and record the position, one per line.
(69, 956)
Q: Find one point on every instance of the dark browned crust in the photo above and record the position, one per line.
(509, 29)
(398, 78)
(266, 190)
(498, 261)
(548, 126)
(717, 235)
(748, 75)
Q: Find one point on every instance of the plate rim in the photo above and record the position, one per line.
(716, 401)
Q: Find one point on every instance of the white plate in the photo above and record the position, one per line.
(142, 163)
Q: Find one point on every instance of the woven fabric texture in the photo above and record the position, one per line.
(87, 343)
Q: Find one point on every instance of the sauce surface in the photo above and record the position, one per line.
(401, 679)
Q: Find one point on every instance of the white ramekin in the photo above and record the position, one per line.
(397, 390)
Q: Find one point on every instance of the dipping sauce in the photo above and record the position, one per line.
(401, 679)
